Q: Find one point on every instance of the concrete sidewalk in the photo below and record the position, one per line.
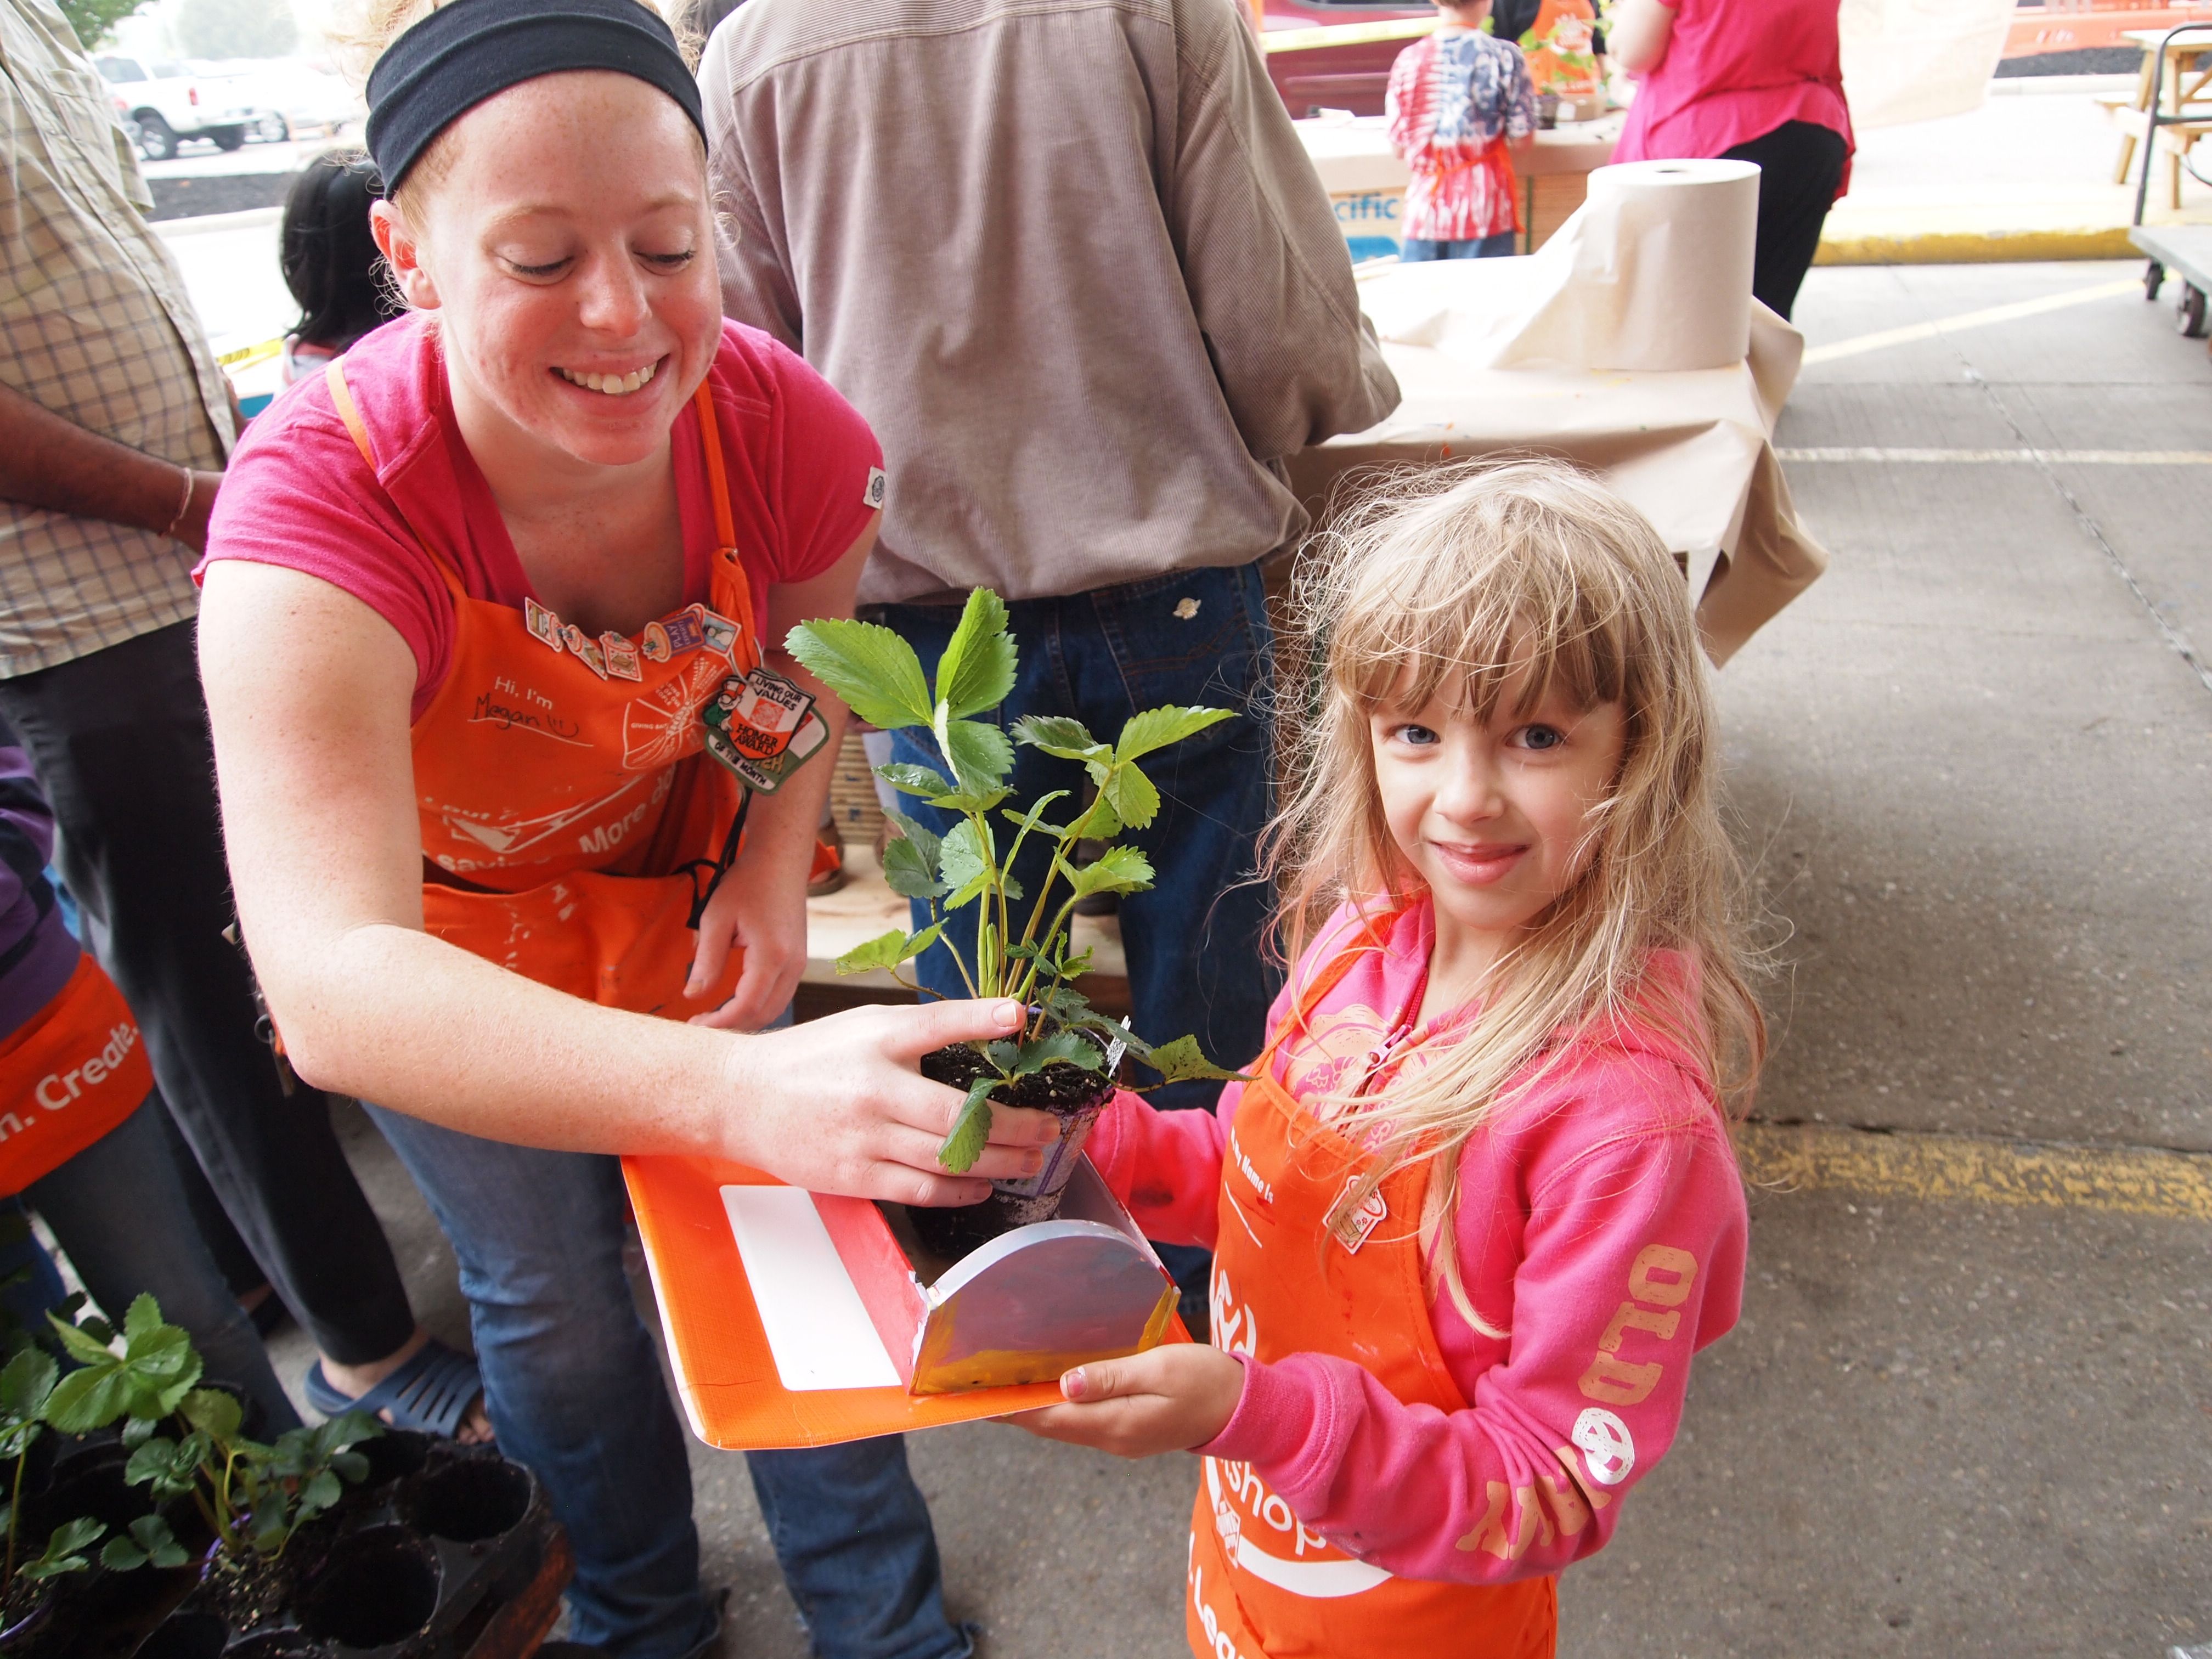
(2027, 176)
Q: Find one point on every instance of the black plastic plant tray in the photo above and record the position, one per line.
(411, 1566)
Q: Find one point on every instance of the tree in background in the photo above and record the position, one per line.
(234, 28)
(92, 19)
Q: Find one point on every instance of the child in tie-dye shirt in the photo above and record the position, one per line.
(1457, 98)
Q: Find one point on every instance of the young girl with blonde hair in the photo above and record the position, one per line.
(1477, 1207)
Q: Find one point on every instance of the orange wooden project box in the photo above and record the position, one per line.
(799, 1319)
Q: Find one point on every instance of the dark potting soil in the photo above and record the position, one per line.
(1060, 1089)
(246, 1590)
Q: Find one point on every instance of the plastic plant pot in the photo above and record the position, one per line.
(1072, 1095)
(392, 1456)
(48, 1630)
(376, 1587)
(186, 1636)
(468, 1501)
(279, 1644)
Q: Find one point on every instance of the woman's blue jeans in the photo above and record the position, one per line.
(574, 1391)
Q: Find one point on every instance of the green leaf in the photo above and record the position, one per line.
(979, 752)
(1117, 869)
(962, 857)
(887, 950)
(1033, 819)
(923, 838)
(149, 1540)
(1156, 728)
(912, 779)
(971, 1130)
(1041, 1051)
(61, 1552)
(907, 872)
(977, 669)
(1002, 1054)
(321, 1490)
(1056, 734)
(1180, 1061)
(142, 1320)
(1101, 823)
(156, 1369)
(873, 669)
(961, 801)
(78, 1344)
(25, 1383)
(1131, 794)
(214, 1411)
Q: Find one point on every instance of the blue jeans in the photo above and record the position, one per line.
(574, 1391)
(118, 1210)
(1414, 249)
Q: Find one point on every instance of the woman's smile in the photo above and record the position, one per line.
(615, 384)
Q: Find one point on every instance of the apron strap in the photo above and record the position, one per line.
(350, 412)
(1310, 994)
(738, 590)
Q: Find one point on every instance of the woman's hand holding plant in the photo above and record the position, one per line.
(837, 1105)
(1166, 1399)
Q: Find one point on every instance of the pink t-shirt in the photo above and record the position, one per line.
(1734, 71)
(801, 463)
(1621, 1151)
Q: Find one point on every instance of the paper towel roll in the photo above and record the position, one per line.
(1653, 272)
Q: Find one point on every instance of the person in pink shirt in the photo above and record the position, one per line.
(1758, 81)
(1475, 1207)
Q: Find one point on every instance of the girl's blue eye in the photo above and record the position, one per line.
(1541, 737)
(1420, 735)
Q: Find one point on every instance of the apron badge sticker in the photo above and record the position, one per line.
(621, 657)
(654, 642)
(544, 625)
(1351, 1223)
(721, 635)
(684, 632)
(762, 727)
(876, 490)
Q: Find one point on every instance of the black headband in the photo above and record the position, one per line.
(471, 50)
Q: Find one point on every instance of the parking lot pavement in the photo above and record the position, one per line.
(1969, 1411)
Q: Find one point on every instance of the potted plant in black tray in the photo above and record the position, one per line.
(1064, 1058)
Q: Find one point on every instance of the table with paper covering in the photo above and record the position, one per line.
(1484, 350)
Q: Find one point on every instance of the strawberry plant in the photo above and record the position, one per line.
(1020, 944)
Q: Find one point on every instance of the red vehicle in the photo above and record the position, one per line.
(1350, 72)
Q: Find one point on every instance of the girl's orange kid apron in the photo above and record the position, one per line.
(68, 1075)
(572, 826)
(1291, 1276)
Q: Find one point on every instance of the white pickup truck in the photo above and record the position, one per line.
(166, 104)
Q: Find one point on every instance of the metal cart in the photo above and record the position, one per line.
(2186, 250)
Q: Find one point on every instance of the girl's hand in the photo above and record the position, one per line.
(1166, 1399)
(765, 918)
(840, 1106)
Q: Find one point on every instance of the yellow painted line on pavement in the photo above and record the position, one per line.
(2053, 457)
(1960, 1169)
(1994, 315)
(1346, 34)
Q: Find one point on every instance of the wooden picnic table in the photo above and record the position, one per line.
(2188, 72)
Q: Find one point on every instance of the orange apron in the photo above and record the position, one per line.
(572, 826)
(72, 1073)
(1543, 61)
(1285, 1282)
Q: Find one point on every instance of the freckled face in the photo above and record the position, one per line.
(1491, 815)
(568, 253)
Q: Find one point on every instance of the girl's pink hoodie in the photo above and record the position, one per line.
(1601, 1223)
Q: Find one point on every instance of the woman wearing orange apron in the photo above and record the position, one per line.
(515, 774)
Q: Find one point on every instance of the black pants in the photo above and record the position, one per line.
(1799, 165)
(120, 742)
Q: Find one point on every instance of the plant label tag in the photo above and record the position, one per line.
(1350, 1223)
(762, 727)
(544, 627)
(621, 657)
